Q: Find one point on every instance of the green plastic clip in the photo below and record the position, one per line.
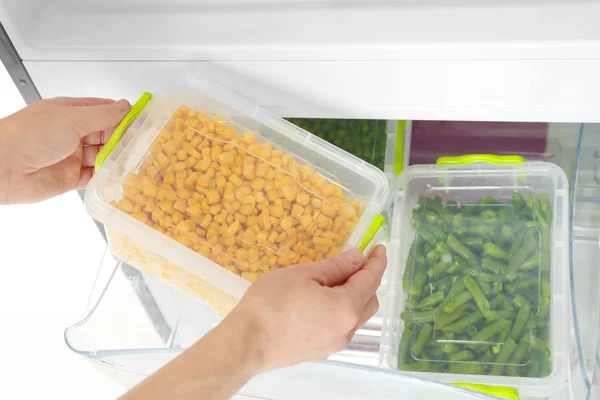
(495, 391)
(481, 158)
(371, 232)
(118, 133)
(399, 159)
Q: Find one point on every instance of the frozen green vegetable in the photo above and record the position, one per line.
(477, 279)
(366, 139)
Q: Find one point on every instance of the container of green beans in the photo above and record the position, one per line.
(364, 138)
(479, 259)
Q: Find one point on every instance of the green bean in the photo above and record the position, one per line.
(511, 288)
(482, 302)
(520, 301)
(463, 355)
(489, 217)
(497, 288)
(526, 283)
(438, 269)
(446, 319)
(474, 242)
(449, 348)
(493, 265)
(486, 287)
(496, 315)
(458, 301)
(543, 313)
(503, 356)
(404, 348)
(520, 321)
(546, 289)
(418, 281)
(422, 338)
(531, 262)
(520, 256)
(464, 368)
(487, 357)
(492, 250)
(431, 300)
(418, 366)
(546, 366)
(491, 330)
(472, 330)
(442, 248)
(422, 317)
(431, 204)
(464, 323)
(535, 342)
(460, 249)
(517, 202)
(518, 356)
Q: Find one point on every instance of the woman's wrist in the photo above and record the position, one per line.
(239, 339)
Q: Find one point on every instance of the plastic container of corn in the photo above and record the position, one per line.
(479, 261)
(207, 192)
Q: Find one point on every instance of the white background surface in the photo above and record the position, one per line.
(49, 255)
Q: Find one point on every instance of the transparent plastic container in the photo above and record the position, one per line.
(207, 192)
(459, 313)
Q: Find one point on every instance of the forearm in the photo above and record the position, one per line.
(214, 368)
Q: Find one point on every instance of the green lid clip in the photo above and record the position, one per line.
(118, 133)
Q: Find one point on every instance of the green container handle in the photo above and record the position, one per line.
(480, 158)
(118, 133)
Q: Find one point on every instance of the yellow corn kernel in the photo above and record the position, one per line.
(246, 209)
(297, 211)
(272, 195)
(125, 205)
(262, 169)
(250, 137)
(177, 217)
(289, 192)
(324, 222)
(276, 211)
(286, 222)
(250, 276)
(316, 203)
(213, 197)
(330, 208)
(179, 205)
(258, 184)
(265, 221)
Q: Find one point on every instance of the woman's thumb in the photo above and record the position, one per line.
(88, 119)
(336, 270)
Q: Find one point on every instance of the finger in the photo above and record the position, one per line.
(84, 178)
(86, 120)
(364, 283)
(370, 309)
(98, 138)
(93, 139)
(336, 270)
(88, 158)
(81, 101)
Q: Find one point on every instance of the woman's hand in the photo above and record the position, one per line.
(306, 312)
(49, 148)
(293, 315)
